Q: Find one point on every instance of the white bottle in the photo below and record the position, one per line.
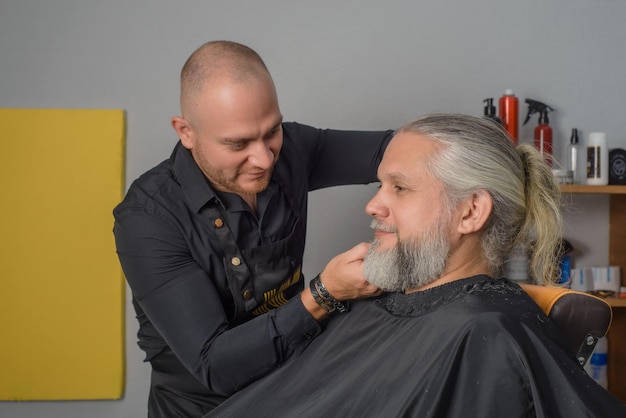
(597, 159)
(597, 367)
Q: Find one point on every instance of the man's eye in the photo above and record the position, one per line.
(399, 188)
(237, 145)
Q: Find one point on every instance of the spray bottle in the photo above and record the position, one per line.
(490, 111)
(543, 130)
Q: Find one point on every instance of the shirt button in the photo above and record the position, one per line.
(235, 261)
(246, 294)
(219, 223)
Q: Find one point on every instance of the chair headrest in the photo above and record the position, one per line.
(582, 318)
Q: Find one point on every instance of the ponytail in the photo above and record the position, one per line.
(542, 229)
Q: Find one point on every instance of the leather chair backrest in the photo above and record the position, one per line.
(582, 318)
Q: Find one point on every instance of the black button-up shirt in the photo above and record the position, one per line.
(174, 264)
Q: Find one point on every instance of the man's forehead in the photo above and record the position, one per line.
(406, 155)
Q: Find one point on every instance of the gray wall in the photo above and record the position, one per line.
(341, 64)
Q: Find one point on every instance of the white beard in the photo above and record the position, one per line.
(409, 264)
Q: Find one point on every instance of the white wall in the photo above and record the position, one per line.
(341, 64)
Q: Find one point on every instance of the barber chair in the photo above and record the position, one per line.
(581, 317)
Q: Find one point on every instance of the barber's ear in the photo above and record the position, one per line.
(184, 131)
(476, 210)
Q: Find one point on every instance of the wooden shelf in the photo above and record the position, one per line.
(585, 189)
(616, 302)
(617, 257)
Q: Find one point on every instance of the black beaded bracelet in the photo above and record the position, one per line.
(320, 301)
(341, 307)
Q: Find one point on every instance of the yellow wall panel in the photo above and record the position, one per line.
(61, 286)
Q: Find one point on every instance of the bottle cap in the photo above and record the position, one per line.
(597, 136)
(574, 138)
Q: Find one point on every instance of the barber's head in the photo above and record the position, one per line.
(454, 200)
(231, 121)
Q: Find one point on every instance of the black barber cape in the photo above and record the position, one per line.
(476, 347)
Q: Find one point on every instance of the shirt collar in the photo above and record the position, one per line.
(196, 187)
(194, 183)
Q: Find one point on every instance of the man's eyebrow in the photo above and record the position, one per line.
(276, 125)
(237, 140)
(234, 140)
(399, 176)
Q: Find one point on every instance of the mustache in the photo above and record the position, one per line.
(375, 224)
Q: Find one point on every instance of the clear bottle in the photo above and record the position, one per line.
(572, 156)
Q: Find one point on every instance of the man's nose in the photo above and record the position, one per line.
(376, 208)
(262, 155)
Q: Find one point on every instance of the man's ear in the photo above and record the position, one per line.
(476, 211)
(184, 131)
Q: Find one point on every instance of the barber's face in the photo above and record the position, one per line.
(411, 222)
(235, 134)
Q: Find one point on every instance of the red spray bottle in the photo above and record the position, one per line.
(543, 130)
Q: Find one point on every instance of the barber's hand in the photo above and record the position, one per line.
(343, 275)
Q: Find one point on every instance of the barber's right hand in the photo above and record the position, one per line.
(343, 275)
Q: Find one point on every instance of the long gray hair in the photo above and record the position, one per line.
(479, 154)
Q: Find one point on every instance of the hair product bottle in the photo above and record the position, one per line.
(543, 130)
(490, 111)
(597, 159)
(617, 166)
(508, 111)
(543, 137)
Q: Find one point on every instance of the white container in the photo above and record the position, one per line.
(563, 176)
(582, 279)
(607, 279)
(516, 267)
(598, 366)
(597, 159)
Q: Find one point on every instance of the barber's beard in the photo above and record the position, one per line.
(232, 181)
(234, 184)
(411, 263)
